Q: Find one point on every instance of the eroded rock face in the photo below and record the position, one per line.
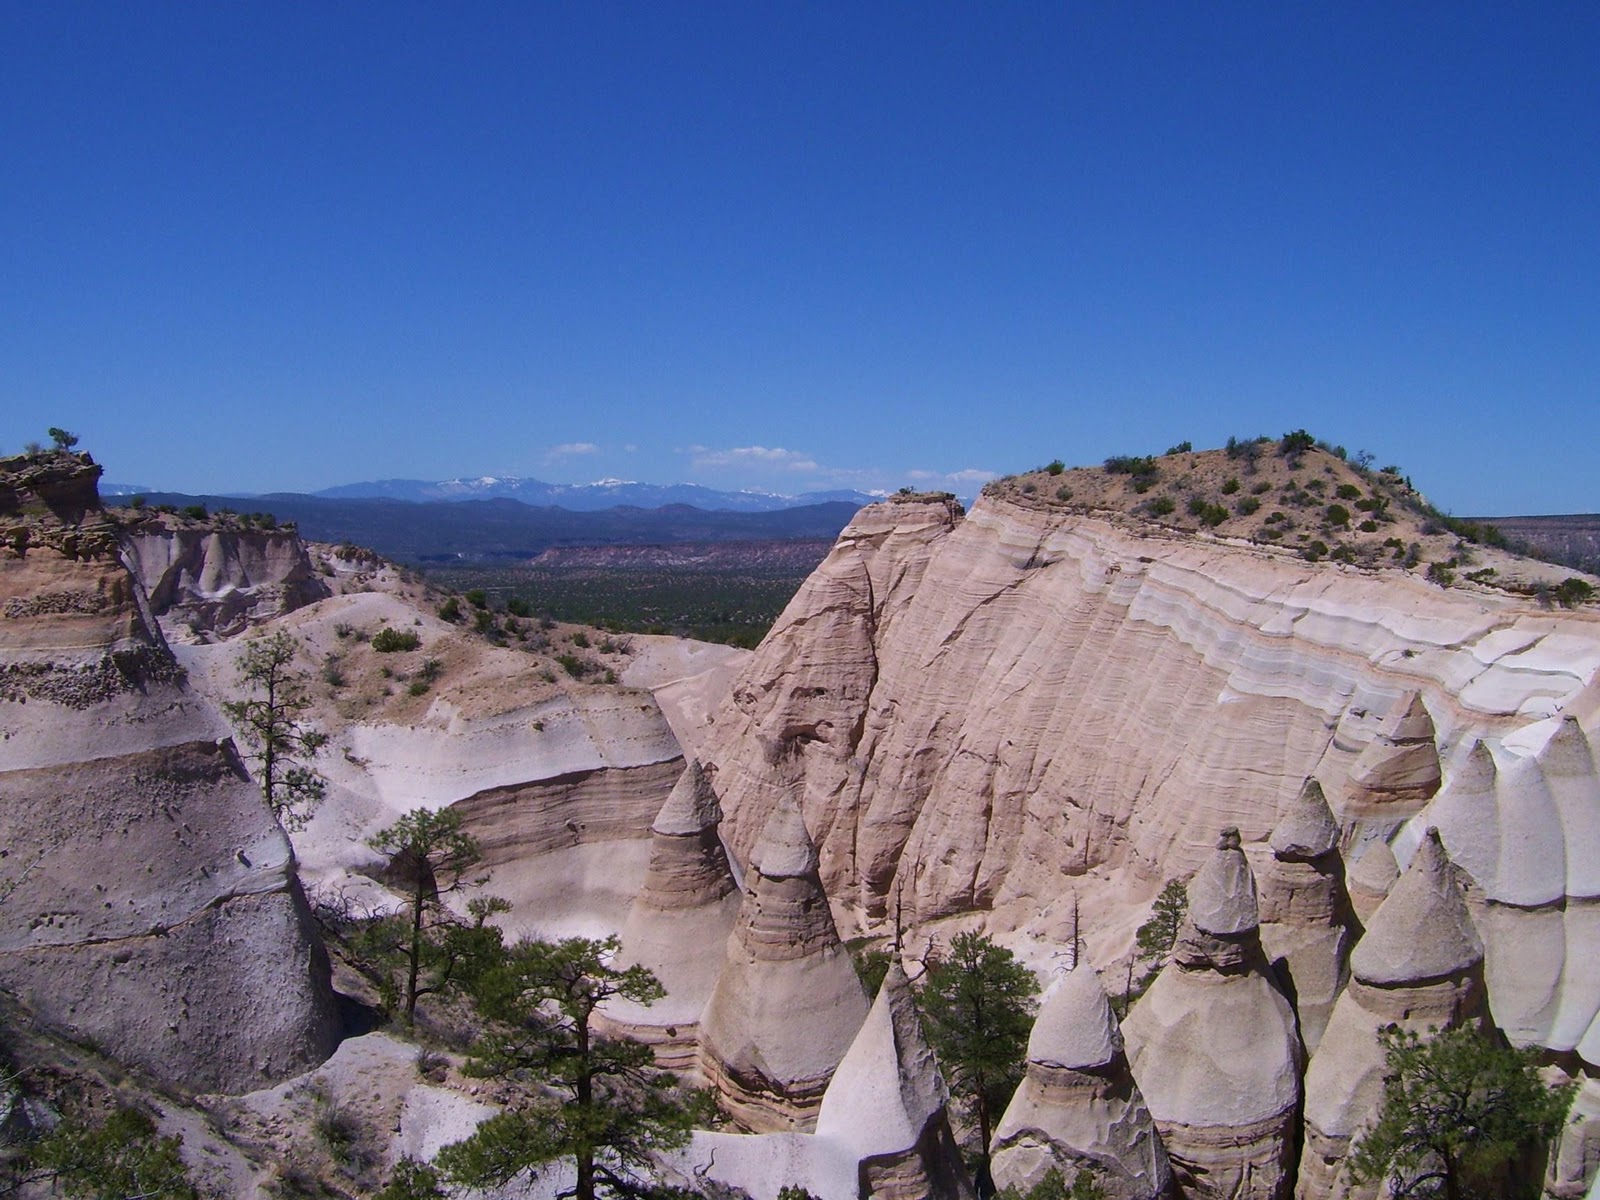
(787, 1003)
(151, 901)
(1214, 1048)
(1078, 1107)
(1419, 966)
(970, 707)
(220, 581)
(1522, 818)
(888, 1103)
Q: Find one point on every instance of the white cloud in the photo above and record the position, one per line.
(753, 456)
(570, 449)
(972, 475)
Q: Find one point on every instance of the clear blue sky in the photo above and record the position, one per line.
(283, 246)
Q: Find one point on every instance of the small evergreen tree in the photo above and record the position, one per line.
(62, 439)
(118, 1158)
(275, 737)
(594, 1101)
(978, 1004)
(429, 943)
(1457, 1109)
(1155, 937)
(412, 1180)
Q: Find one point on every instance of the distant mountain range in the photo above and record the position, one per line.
(501, 529)
(586, 497)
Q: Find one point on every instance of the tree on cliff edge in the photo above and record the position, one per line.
(269, 724)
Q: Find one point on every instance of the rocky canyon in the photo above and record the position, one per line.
(1376, 783)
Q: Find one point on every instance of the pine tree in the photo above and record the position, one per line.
(117, 1158)
(978, 1005)
(1457, 1109)
(434, 948)
(269, 724)
(594, 1101)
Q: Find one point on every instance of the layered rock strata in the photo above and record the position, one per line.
(150, 901)
(679, 922)
(888, 1104)
(1078, 1107)
(912, 695)
(1305, 912)
(1214, 1048)
(1419, 966)
(787, 1003)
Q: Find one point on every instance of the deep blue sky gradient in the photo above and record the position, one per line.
(268, 247)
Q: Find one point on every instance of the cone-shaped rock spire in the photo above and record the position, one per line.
(1419, 965)
(1222, 897)
(887, 1102)
(787, 1003)
(1307, 830)
(691, 806)
(1078, 1107)
(678, 922)
(1214, 1047)
(1306, 921)
(1422, 931)
(1399, 767)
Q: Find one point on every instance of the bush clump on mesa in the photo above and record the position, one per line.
(388, 641)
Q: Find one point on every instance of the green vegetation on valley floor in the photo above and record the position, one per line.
(732, 604)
